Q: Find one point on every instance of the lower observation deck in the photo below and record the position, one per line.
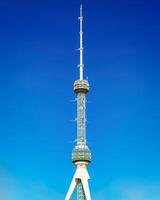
(81, 152)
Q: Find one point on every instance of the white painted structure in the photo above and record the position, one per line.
(81, 155)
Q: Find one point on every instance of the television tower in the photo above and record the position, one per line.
(81, 155)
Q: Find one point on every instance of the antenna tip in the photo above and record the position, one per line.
(81, 10)
(81, 7)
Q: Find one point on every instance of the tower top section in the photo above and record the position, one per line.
(81, 85)
(81, 65)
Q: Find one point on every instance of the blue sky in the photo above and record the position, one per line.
(37, 71)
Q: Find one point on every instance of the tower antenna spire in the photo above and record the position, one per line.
(81, 65)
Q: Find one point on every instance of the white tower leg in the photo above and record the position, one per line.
(82, 175)
(86, 189)
(71, 189)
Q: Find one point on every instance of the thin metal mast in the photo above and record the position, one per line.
(81, 65)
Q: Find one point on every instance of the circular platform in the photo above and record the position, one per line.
(81, 86)
(81, 153)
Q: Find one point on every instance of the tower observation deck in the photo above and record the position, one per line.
(81, 155)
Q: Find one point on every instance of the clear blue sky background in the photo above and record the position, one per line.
(37, 71)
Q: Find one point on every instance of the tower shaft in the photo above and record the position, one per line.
(81, 134)
(80, 191)
(81, 118)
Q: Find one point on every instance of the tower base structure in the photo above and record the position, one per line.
(80, 179)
